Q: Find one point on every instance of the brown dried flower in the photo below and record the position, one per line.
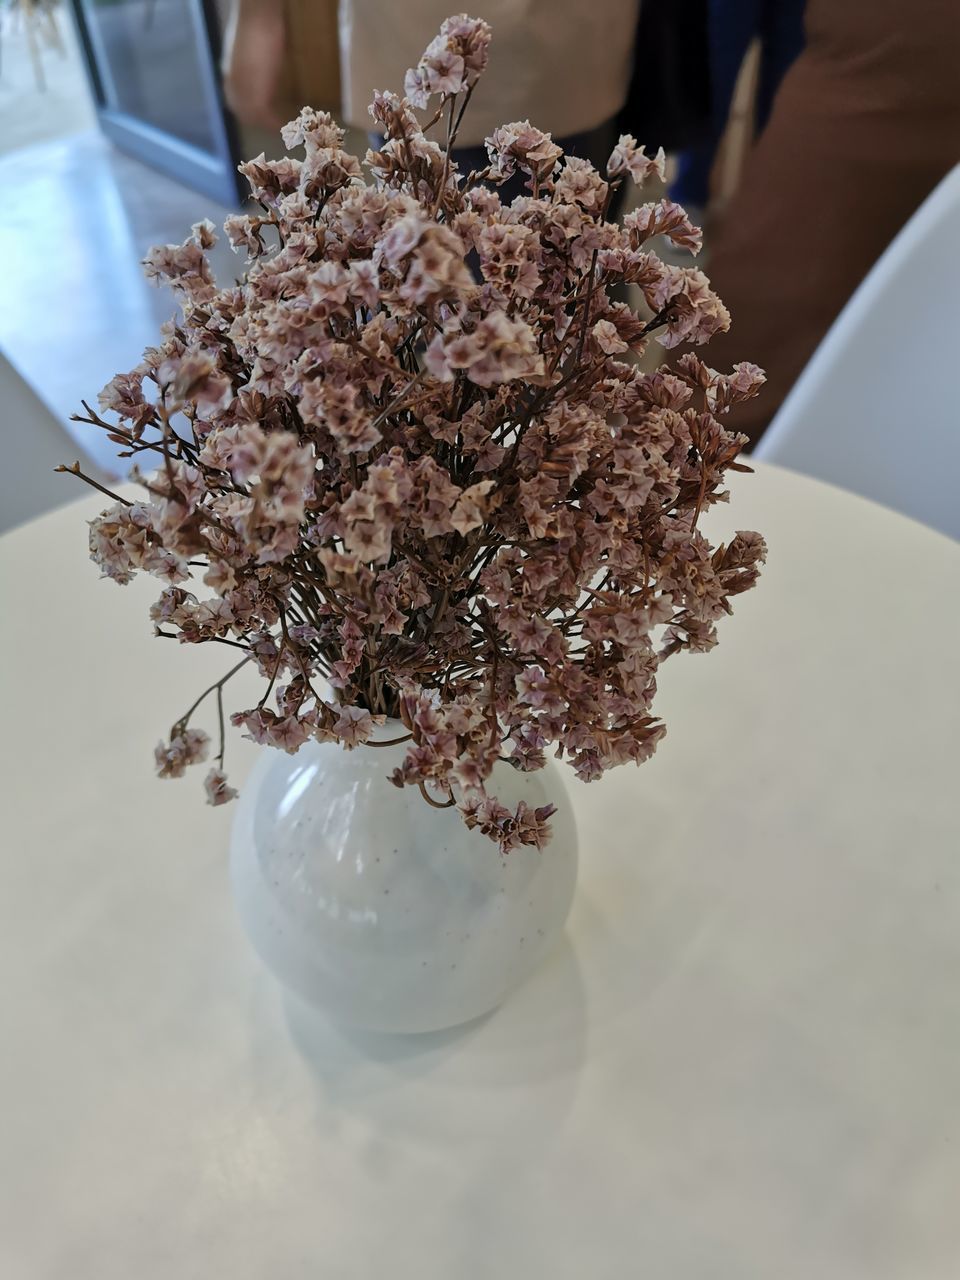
(413, 462)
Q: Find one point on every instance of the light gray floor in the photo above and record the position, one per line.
(76, 218)
(31, 112)
(74, 307)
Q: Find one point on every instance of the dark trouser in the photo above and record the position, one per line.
(865, 125)
(733, 24)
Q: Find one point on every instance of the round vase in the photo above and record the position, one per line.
(382, 911)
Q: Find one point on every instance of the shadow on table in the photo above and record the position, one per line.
(533, 1047)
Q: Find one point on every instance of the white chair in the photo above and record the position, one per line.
(877, 409)
(34, 443)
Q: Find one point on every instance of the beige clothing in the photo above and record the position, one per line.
(563, 64)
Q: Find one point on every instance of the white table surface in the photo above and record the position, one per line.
(743, 1062)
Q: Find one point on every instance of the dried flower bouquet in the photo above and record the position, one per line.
(413, 461)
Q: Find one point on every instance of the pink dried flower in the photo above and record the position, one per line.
(355, 725)
(627, 158)
(316, 130)
(123, 395)
(452, 61)
(184, 267)
(727, 389)
(194, 377)
(217, 789)
(417, 493)
(608, 339)
(696, 313)
(185, 748)
(497, 350)
(441, 71)
(663, 219)
(521, 146)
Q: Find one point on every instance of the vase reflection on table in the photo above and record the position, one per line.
(382, 912)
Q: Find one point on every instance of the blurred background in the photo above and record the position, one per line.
(803, 136)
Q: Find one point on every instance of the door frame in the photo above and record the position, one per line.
(214, 173)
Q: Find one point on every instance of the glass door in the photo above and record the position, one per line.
(153, 68)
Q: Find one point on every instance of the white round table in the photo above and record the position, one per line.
(743, 1062)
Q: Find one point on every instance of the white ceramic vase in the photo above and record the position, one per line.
(383, 912)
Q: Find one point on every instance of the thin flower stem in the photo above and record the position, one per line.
(273, 679)
(218, 684)
(463, 107)
(234, 644)
(435, 804)
(399, 404)
(293, 647)
(445, 172)
(586, 306)
(75, 471)
(223, 735)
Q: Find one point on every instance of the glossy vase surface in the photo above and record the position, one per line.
(384, 912)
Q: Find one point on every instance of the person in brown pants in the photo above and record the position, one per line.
(866, 123)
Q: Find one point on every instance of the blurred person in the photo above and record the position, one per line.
(255, 45)
(732, 26)
(563, 64)
(866, 123)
